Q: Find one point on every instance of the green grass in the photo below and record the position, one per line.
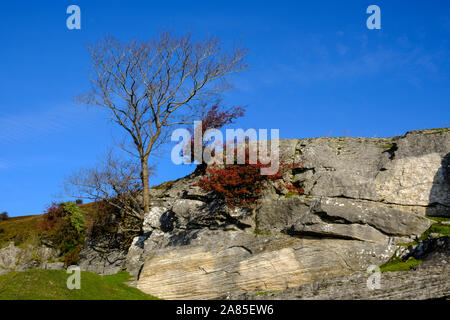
(261, 293)
(399, 265)
(443, 229)
(262, 233)
(437, 131)
(51, 285)
(439, 219)
(291, 194)
(386, 146)
(438, 227)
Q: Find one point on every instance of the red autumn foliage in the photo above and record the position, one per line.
(53, 217)
(294, 189)
(215, 117)
(240, 185)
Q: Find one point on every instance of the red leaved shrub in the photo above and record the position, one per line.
(240, 185)
(214, 117)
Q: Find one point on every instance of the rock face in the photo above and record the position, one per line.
(214, 264)
(362, 197)
(13, 258)
(101, 259)
(429, 280)
(427, 283)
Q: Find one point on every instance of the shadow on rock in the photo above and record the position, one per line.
(439, 203)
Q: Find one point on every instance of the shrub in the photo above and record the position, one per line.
(4, 216)
(64, 227)
(75, 216)
(240, 185)
(79, 201)
(214, 117)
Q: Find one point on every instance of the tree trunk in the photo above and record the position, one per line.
(145, 185)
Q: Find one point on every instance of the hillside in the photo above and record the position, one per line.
(20, 230)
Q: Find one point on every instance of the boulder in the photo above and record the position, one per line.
(14, 258)
(217, 262)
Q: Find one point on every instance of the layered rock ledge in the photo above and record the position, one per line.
(362, 197)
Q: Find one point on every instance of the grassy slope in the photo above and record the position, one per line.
(25, 229)
(51, 285)
(20, 230)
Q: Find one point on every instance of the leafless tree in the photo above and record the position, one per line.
(114, 180)
(149, 87)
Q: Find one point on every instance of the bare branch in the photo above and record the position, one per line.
(149, 86)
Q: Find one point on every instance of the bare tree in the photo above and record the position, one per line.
(113, 180)
(149, 87)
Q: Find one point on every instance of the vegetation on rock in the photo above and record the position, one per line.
(397, 264)
(241, 185)
(406, 263)
(64, 225)
(20, 230)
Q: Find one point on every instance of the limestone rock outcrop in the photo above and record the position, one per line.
(429, 280)
(13, 258)
(362, 197)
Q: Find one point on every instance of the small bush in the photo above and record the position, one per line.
(213, 117)
(4, 216)
(240, 185)
(64, 227)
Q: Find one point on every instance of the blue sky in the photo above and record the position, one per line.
(314, 69)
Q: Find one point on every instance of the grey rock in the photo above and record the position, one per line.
(427, 283)
(54, 266)
(216, 261)
(344, 231)
(429, 280)
(102, 262)
(340, 217)
(362, 196)
(152, 220)
(13, 258)
(384, 218)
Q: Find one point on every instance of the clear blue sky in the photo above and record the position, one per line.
(314, 68)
